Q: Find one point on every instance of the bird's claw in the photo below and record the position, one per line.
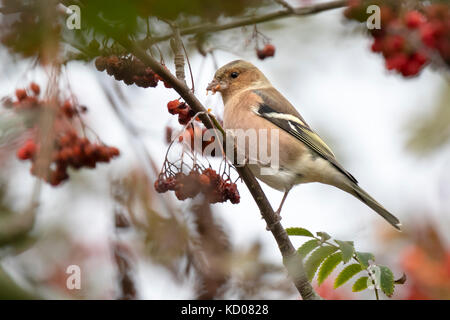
(269, 227)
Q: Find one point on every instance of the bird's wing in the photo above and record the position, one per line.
(290, 121)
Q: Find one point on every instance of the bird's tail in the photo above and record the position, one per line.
(362, 195)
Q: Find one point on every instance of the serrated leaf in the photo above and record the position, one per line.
(386, 281)
(347, 274)
(364, 258)
(360, 284)
(323, 236)
(307, 247)
(299, 232)
(347, 249)
(316, 258)
(328, 266)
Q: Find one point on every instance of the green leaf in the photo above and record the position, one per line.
(386, 281)
(347, 249)
(307, 247)
(328, 266)
(299, 232)
(323, 236)
(347, 274)
(360, 284)
(316, 258)
(364, 258)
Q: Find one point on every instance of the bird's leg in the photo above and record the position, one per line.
(278, 212)
(282, 202)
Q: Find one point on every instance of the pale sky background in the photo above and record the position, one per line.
(341, 89)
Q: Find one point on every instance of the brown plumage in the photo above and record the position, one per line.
(252, 103)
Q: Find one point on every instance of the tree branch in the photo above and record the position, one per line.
(175, 44)
(285, 4)
(291, 259)
(288, 12)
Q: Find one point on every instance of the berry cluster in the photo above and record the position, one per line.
(184, 112)
(69, 151)
(267, 51)
(407, 39)
(31, 33)
(51, 159)
(208, 182)
(129, 69)
(28, 99)
(435, 31)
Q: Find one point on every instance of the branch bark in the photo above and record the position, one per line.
(176, 46)
(285, 13)
(291, 259)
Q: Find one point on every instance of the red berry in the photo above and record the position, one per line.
(35, 88)
(180, 194)
(76, 151)
(27, 151)
(101, 63)
(204, 180)
(161, 185)
(68, 110)
(420, 57)
(232, 193)
(412, 68)
(114, 152)
(414, 19)
(173, 106)
(22, 154)
(66, 154)
(267, 51)
(397, 62)
(428, 35)
(393, 44)
(184, 116)
(21, 94)
(377, 45)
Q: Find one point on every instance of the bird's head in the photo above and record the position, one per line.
(236, 76)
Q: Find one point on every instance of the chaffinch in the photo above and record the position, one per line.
(251, 102)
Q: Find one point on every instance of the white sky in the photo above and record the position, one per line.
(341, 89)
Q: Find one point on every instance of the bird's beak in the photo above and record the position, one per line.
(214, 86)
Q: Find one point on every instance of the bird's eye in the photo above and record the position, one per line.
(234, 75)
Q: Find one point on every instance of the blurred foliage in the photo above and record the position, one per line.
(13, 236)
(14, 227)
(10, 290)
(431, 131)
(32, 29)
(191, 240)
(128, 11)
(425, 258)
(183, 240)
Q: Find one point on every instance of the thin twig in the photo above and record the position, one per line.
(285, 4)
(175, 44)
(212, 27)
(189, 66)
(291, 259)
(355, 257)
